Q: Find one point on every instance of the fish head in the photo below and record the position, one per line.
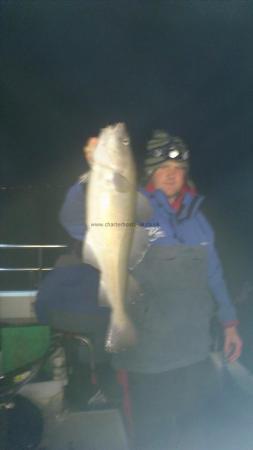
(114, 152)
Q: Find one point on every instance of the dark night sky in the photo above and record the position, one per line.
(71, 67)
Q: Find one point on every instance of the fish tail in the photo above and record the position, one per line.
(120, 336)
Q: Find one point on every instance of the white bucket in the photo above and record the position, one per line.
(47, 395)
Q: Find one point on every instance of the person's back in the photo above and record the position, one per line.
(67, 301)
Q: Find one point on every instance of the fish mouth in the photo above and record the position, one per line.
(118, 132)
(119, 126)
(113, 146)
(119, 129)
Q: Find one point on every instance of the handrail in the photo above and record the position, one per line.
(38, 265)
(24, 269)
(32, 246)
(28, 246)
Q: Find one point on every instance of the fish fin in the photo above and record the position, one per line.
(120, 336)
(121, 183)
(139, 247)
(144, 210)
(89, 256)
(102, 295)
(134, 290)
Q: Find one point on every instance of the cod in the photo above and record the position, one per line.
(110, 216)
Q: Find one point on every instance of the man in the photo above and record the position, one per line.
(72, 211)
(60, 300)
(170, 373)
(67, 299)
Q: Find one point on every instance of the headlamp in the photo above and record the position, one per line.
(169, 151)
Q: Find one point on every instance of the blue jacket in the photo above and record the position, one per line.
(72, 289)
(189, 226)
(166, 227)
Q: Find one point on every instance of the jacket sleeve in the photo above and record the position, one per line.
(217, 285)
(72, 211)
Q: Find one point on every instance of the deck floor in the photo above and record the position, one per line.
(227, 426)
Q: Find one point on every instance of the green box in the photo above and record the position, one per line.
(22, 345)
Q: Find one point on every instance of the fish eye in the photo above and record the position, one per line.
(125, 141)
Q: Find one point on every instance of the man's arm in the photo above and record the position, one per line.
(227, 313)
(226, 310)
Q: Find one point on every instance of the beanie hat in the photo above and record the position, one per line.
(163, 147)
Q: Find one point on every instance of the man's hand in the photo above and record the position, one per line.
(232, 344)
(89, 148)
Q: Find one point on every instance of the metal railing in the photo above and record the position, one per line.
(40, 257)
(39, 267)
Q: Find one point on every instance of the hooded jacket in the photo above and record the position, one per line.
(178, 275)
(188, 226)
(167, 227)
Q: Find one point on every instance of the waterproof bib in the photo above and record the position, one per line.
(173, 315)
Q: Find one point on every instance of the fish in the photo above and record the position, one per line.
(110, 217)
